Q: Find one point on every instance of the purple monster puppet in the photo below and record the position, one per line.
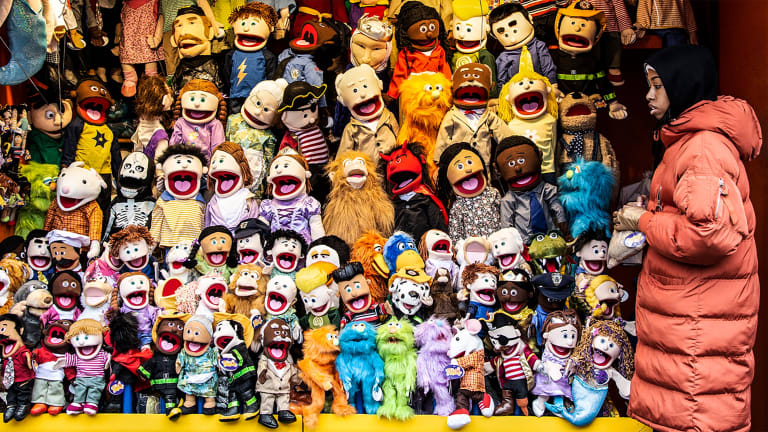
(433, 337)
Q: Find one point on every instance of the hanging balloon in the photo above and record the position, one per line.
(26, 42)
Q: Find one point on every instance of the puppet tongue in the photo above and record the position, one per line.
(287, 188)
(87, 350)
(358, 303)
(183, 185)
(512, 306)
(367, 108)
(523, 180)
(65, 301)
(55, 340)
(275, 304)
(598, 358)
(227, 185)
(39, 261)
(216, 258)
(485, 296)
(470, 184)
(94, 115)
(507, 260)
(530, 106)
(166, 345)
(137, 262)
(285, 262)
(193, 346)
(276, 352)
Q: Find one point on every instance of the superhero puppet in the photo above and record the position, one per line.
(394, 341)
(470, 30)
(577, 28)
(229, 177)
(133, 246)
(420, 35)
(373, 128)
(48, 118)
(291, 207)
(160, 369)
(192, 35)
(479, 282)
(417, 209)
(18, 375)
(196, 365)
(512, 26)
(530, 205)
(48, 390)
(552, 291)
(361, 369)
(249, 62)
(199, 112)
(179, 212)
(276, 373)
(433, 339)
(232, 336)
(134, 203)
(88, 138)
(469, 120)
(76, 208)
(462, 180)
(366, 250)
(65, 250)
(250, 236)
(356, 296)
(561, 333)
(357, 203)
(585, 191)
(528, 105)
(286, 248)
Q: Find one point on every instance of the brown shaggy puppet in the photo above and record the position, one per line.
(357, 202)
(13, 274)
(247, 290)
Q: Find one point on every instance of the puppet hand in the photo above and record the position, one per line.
(327, 385)
(487, 368)
(59, 363)
(19, 308)
(628, 36)
(220, 33)
(559, 95)
(640, 32)
(628, 218)
(98, 37)
(93, 252)
(160, 182)
(427, 300)
(151, 42)
(462, 295)
(617, 111)
(296, 334)
(539, 367)
(553, 371)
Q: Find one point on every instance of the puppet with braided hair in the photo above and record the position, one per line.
(199, 112)
(133, 246)
(132, 295)
(604, 353)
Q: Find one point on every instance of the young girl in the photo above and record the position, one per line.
(199, 112)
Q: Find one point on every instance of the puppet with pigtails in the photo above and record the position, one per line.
(198, 113)
(211, 252)
(229, 177)
(133, 295)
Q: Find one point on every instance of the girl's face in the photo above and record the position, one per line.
(199, 107)
(657, 98)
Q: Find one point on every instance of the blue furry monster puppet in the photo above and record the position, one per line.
(399, 251)
(361, 369)
(585, 192)
(41, 195)
(396, 347)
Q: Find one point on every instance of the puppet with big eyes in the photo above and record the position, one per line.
(529, 105)
(65, 248)
(417, 209)
(318, 297)
(479, 289)
(278, 303)
(179, 212)
(66, 288)
(530, 205)
(409, 295)
(210, 254)
(420, 35)
(38, 255)
(514, 292)
(291, 207)
(199, 112)
(133, 295)
(276, 373)
(192, 34)
(552, 290)
(229, 176)
(247, 291)
(18, 374)
(592, 252)
(469, 120)
(509, 250)
(249, 62)
(578, 27)
(49, 382)
(361, 369)
(133, 246)
(356, 296)
(134, 203)
(175, 258)
(561, 332)
(48, 118)
(232, 335)
(97, 296)
(250, 237)
(463, 181)
(196, 365)
(470, 33)
(160, 369)
(153, 99)
(286, 248)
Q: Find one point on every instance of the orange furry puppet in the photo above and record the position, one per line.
(13, 274)
(247, 291)
(365, 250)
(357, 202)
(318, 370)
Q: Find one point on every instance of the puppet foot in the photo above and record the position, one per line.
(507, 406)
(486, 405)
(458, 419)
(10, 412)
(343, 410)
(21, 412)
(55, 410)
(74, 408)
(538, 406)
(76, 40)
(268, 421)
(231, 414)
(285, 416)
(90, 409)
(38, 409)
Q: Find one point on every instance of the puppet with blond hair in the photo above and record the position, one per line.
(528, 104)
(229, 177)
(199, 112)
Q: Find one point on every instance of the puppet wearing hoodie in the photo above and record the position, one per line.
(229, 177)
(134, 203)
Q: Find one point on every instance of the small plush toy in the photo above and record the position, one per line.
(192, 33)
(291, 207)
(356, 296)
(48, 118)
(578, 27)
(318, 298)
(48, 390)
(90, 361)
(286, 248)
(232, 336)
(196, 366)
(134, 203)
(552, 291)
(76, 208)
(199, 112)
(417, 209)
(38, 255)
(528, 104)
(561, 333)
(420, 35)
(409, 294)
(473, 250)
(467, 355)
(530, 205)
(585, 191)
(18, 374)
(509, 250)
(247, 291)
(41, 196)
(153, 99)
(433, 339)
(603, 353)
(395, 343)
(365, 251)
(373, 128)
(66, 288)
(160, 369)
(65, 250)
(249, 62)
(624, 245)
(357, 203)
(250, 236)
(97, 297)
(445, 303)
(479, 289)
(132, 296)
(179, 212)
(470, 30)
(276, 373)
(133, 246)
(278, 303)
(318, 370)
(604, 296)
(175, 257)
(360, 367)
(436, 249)
(462, 180)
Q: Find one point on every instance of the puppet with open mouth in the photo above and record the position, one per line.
(592, 253)
(409, 295)
(436, 249)
(318, 297)
(199, 112)
(90, 361)
(232, 336)
(508, 249)
(250, 236)
(466, 350)
(193, 33)
(286, 249)
(552, 290)
(395, 343)
(276, 373)
(133, 246)
(97, 297)
(38, 255)
(278, 303)
(356, 296)
(66, 287)
(133, 295)
(49, 382)
(134, 202)
(160, 369)
(247, 291)
(196, 365)
(16, 358)
(562, 330)
(213, 252)
(479, 282)
(209, 291)
(470, 30)
(229, 177)
(514, 292)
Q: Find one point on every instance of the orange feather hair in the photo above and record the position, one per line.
(365, 250)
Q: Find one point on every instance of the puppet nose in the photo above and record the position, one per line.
(435, 94)
(65, 189)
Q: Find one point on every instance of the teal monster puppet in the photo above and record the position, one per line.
(585, 192)
(360, 367)
(396, 347)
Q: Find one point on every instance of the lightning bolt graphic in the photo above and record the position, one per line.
(241, 74)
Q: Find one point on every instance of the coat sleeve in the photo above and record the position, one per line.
(546, 63)
(712, 221)
(69, 144)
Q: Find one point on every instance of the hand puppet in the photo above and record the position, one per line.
(420, 35)
(132, 296)
(250, 236)
(196, 365)
(38, 255)
(48, 390)
(479, 289)
(318, 297)
(198, 113)
(175, 257)
(232, 336)
(160, 369)
(445, 303)
(623, 245)
(467, 355)
(433, 339)
(278, 303)
(356, 296)
(286, 249)
(472, 250)
(76, 208)
(18, 374)
(361, 369)
(318, 370)
(48, 118)
(41, 178)
(360, 9)
(417, 208)
(65, 250)
(530, 205)
(30, 302)
(97, 297)
(371, 44)
(66, 288)
(211, 252)
(462, 180)
(604, 296)
(470, 30)
(90, 360)
(133, 246)
(603, 353)
(578, 28)
(365, 250)
(154, 99)
(561, 333)
(409, 294)
(26, 40)
(592, 253)
(127, 356)
(329, 249)
(528, 104)
(512, 26)
(548, 253)
(290, 206)
(209, 290)
(619, 31)
(399, 252)
(395, 344)
(314, 10)
(357, 202)
(179, 213)
(192, 33)
(247, 291)
(513, 293)
(509, 250)
(585, 192)
(134, 203)
(436, 249)
(142, 35)
(276, 373)
(552, 290)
